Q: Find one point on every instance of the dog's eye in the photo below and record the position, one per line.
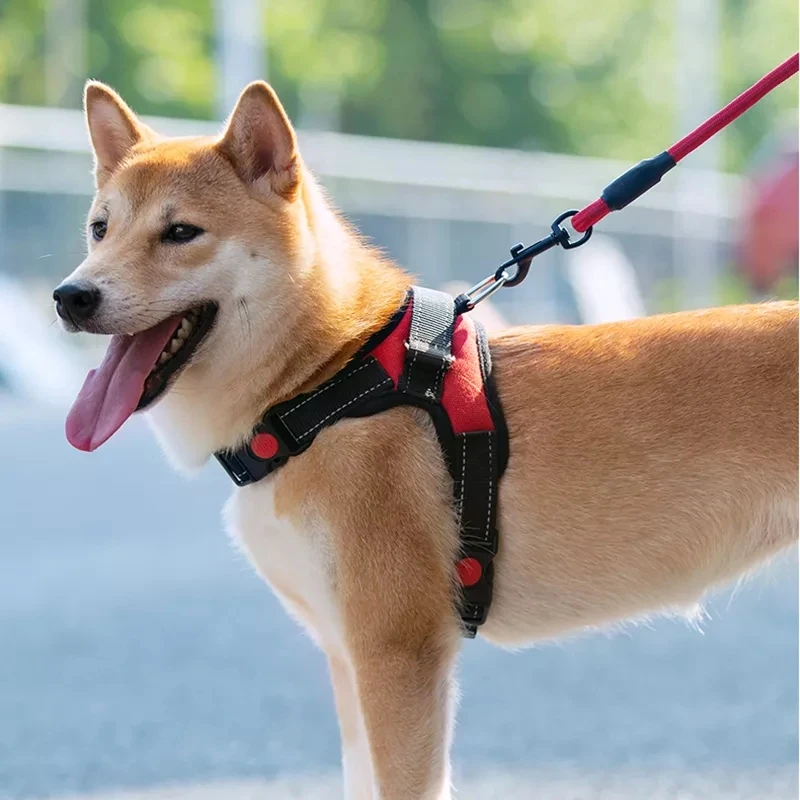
(181, 232)
(99, 229)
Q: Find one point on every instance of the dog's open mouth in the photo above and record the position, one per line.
(192, 329)
(135, 371)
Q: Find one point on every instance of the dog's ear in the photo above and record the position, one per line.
(260, 143)
(113, 128)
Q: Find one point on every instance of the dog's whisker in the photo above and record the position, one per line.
(244, 316)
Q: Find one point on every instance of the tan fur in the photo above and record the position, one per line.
(649, 460)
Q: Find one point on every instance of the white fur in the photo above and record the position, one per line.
(299, 559)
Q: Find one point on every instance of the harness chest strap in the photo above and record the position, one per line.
(429, 357)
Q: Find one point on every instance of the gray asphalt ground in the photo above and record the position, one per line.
(137, 651)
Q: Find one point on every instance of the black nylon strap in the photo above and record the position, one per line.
(296, 423)
(331, 401)
(429, 352)
(477, 502)
(477, 506)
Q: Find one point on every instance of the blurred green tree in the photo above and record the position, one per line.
(564, 77)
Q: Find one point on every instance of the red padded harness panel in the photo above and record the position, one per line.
(463, 392)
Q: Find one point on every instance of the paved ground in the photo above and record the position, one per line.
(137, 651)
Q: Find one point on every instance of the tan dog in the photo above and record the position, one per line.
(649, 460)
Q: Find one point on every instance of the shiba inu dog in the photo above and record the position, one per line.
(649, 459)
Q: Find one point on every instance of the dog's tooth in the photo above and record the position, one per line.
(163, 358)
(175, 345)
(183, 334)
(186, 325)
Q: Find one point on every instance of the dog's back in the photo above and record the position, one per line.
(649, 459)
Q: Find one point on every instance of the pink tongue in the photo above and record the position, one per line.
(111, 392)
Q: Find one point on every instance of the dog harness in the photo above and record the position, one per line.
(430, 357)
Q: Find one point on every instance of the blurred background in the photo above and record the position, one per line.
(139, 657)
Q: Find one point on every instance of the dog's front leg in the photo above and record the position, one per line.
(359, 778)
(392, 538)
(406, 694)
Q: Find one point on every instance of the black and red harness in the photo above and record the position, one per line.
(430, 357)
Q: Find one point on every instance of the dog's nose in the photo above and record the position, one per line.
(76, 302)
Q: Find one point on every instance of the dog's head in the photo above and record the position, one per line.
(182, 234)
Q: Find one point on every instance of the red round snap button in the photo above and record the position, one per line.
(264, 445)
(469, 571)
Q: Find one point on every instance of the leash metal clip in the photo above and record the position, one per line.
(521, 257)
(480, 291)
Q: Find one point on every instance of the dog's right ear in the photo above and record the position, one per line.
(260, 143)
(113, 128)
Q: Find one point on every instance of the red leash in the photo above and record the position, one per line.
(610, 201)
(623, 191)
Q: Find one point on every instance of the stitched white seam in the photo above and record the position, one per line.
(489, 507)
(323, 389)
(439, 373)
(446, 364)
(348, 403)
(463, 479)
(411, 368)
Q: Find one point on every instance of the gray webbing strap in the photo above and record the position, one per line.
(429, 344)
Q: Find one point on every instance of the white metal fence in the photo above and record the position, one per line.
(443, 211)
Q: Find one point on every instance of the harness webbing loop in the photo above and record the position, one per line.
(429, 343)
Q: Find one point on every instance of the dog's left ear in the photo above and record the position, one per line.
(260, 143)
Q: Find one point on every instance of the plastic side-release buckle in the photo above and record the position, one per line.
(269, 448)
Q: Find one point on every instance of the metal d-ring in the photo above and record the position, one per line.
(562, 234)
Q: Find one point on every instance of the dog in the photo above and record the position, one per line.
(649, 459)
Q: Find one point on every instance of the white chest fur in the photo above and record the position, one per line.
(296, 560)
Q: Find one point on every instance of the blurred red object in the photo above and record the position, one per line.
(768, 248)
